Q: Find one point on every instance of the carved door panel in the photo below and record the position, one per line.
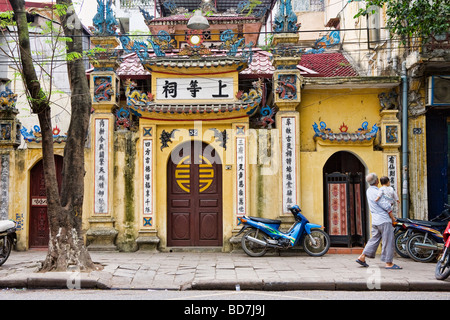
(38, 225)
(194, 198)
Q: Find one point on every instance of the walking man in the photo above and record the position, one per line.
(382, 228)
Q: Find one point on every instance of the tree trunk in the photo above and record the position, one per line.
(66, 245)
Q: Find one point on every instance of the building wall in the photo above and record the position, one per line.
(335, 107)
(21, 163)
(125, 215)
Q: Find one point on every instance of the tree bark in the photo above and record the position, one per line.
(66, 246)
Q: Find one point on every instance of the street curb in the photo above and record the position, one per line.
(321, 285)
(64, 282)
(40, 282)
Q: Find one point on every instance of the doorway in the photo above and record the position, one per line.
(344, 200)
(38, 226)
(194, 196)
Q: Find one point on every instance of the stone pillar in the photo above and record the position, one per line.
(9, 140)
(241, 154)
(287, 83)
(391, 142)
(148, 236)
(104, 86)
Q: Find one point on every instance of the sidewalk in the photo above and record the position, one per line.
(223, 271)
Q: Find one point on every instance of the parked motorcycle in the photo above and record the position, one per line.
(262, 234)
(7, 238)
(401, 234)
(443, 265)
(426, 241)
(406, 228)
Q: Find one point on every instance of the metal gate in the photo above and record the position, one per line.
(345, 209)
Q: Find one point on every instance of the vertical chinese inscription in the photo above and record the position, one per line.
(288, 157)
(240, 177)
(4, 186)
(101, 165)
(392, 171)
(148, 178)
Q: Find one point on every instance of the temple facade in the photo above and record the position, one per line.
(194, 129)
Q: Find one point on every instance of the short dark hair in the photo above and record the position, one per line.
(384, 180)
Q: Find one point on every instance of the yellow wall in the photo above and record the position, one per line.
(334, 107)
(160, 172)
(21, 163)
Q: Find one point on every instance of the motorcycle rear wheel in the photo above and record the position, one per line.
(5, 249)
(443, 266)
(401, 239)
(322, 245)
(420, 254)
(252, 248)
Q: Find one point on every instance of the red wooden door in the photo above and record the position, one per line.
(39, 232)
(194, 197)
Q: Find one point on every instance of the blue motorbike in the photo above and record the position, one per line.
(262, 234)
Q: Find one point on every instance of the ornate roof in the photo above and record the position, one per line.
(311, 65)
(244, 104)
(362, 135)
(192, 109)
(221, 6)
(181, 18)
(187, 62)
(132, 67)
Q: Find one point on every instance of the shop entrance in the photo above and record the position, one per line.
(344, 200)
(194, 196)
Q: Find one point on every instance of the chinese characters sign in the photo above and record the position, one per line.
(289, 161)
(194, 88)
(4, 186)
(240, 176)
(148, 177)
(101, 165)
(392, 170)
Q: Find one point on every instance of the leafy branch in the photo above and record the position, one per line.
(413, 19)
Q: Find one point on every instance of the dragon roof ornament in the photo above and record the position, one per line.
(104, 20)
(361, 135)
(8, 100)
(286, 19)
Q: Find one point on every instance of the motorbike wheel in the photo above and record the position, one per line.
(322, 243)
(252, 248)
(5, 249)
(420, 254)
(401, 239)
(443, 266)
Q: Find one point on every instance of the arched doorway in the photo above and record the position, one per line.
(194, 196)
(344, 200)
(38, 226)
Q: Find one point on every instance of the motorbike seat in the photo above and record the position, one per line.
(430, 223)
(264, 220)
(6, 224)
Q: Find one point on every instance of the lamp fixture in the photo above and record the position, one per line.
(198, 21)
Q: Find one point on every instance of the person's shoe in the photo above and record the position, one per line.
(394, 267)
(362, 263)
